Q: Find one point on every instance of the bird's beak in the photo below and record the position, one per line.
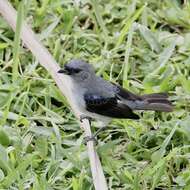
(64, 71)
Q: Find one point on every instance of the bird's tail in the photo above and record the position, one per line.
(156, 102)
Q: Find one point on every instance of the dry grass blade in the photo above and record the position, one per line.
(47, 61)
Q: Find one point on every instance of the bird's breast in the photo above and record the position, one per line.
(78, 98)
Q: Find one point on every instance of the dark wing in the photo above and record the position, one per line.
(109, 106)
(121, 92)
(155, 101)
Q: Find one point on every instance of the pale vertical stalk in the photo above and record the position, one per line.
(47, 61)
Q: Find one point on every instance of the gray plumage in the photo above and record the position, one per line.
(101, 99)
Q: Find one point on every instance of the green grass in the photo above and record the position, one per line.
(140, 44)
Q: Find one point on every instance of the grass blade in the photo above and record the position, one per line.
(99, 18)
(128, 24)
(127, 53)
(16, 46)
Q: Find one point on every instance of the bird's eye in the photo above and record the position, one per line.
(76, 70)
(85, 75)
(72, 70)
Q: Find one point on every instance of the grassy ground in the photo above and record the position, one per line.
(143, 45)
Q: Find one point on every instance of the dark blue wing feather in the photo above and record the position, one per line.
(108, 106)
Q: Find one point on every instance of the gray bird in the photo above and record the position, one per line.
(100, 99)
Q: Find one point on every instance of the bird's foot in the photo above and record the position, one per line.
(82, 117)
(93, 137)
(90, 138)
(99, 130)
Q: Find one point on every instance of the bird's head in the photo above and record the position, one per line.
(78, 70)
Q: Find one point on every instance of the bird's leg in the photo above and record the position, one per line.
(99, 130)
(88, 138)
(93, 137)
(82, 117)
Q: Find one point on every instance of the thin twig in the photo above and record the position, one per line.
(63, 82)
